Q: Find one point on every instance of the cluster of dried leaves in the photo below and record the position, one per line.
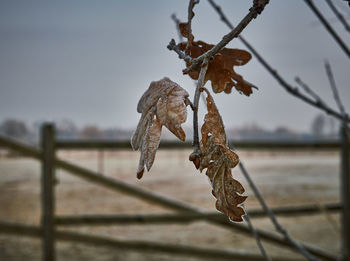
(164, 103)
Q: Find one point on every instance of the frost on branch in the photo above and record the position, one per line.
(220, 70)
(218, 159)
(162, 104)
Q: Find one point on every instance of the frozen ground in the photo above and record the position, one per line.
(284, 177)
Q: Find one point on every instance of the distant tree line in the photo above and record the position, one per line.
(321, 127)
(65, 129)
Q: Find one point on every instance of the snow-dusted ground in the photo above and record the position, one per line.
(284, 177)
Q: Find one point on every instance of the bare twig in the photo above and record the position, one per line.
(289, 88)
(200, 84)
(222, 15)
(338, 15)
(269, 212)
(256, 235)
(334, 88)
(308, 90)
(328, 27)
(253, 12)
(177, 22)
(333, 223)
(271, 215)
(172, 46)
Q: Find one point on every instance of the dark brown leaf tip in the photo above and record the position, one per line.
(140, 174)
(196, 159)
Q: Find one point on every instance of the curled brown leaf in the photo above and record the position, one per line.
(218, 159)
(162, 104)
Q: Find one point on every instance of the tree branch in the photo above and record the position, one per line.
(328, 27)
(200, 84)
(257, 8)
(308, 90)
(256, 235)
(277, 225)
(292, 90)
(334, 87)
(196, 154)
(177, 22)
(339, 15)
(173, 47)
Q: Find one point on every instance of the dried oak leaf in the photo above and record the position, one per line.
(220, 70)
(218, 159)
(184, 30)
(162, 104)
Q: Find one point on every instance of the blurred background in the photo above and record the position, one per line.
(83, 65)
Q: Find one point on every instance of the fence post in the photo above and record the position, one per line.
(345, 192)
(47, 192)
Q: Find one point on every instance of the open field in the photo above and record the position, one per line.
(285, 178)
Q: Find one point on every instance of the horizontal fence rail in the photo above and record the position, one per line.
(112, 145)
(151, 247)
(186, 217)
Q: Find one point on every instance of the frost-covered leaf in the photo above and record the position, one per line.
(171, 111)
(213, 123)
(221, 69)
(149, 145)
(184, 30)
(162, 104)
(218, 159)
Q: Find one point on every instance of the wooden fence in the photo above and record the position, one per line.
(187, 213)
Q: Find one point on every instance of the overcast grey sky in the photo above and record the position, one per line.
(90, 61)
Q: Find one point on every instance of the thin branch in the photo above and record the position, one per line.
(271, 215)
(172, 46)
(222, 16)
(308, 90)
(200, 84)
(289, 88)
(277, 225)
(177, 22)
(257, 8)
(338, 15)
(333, 223)
(196, 154)
(334, 87)
(256, 235)
(328, 27)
